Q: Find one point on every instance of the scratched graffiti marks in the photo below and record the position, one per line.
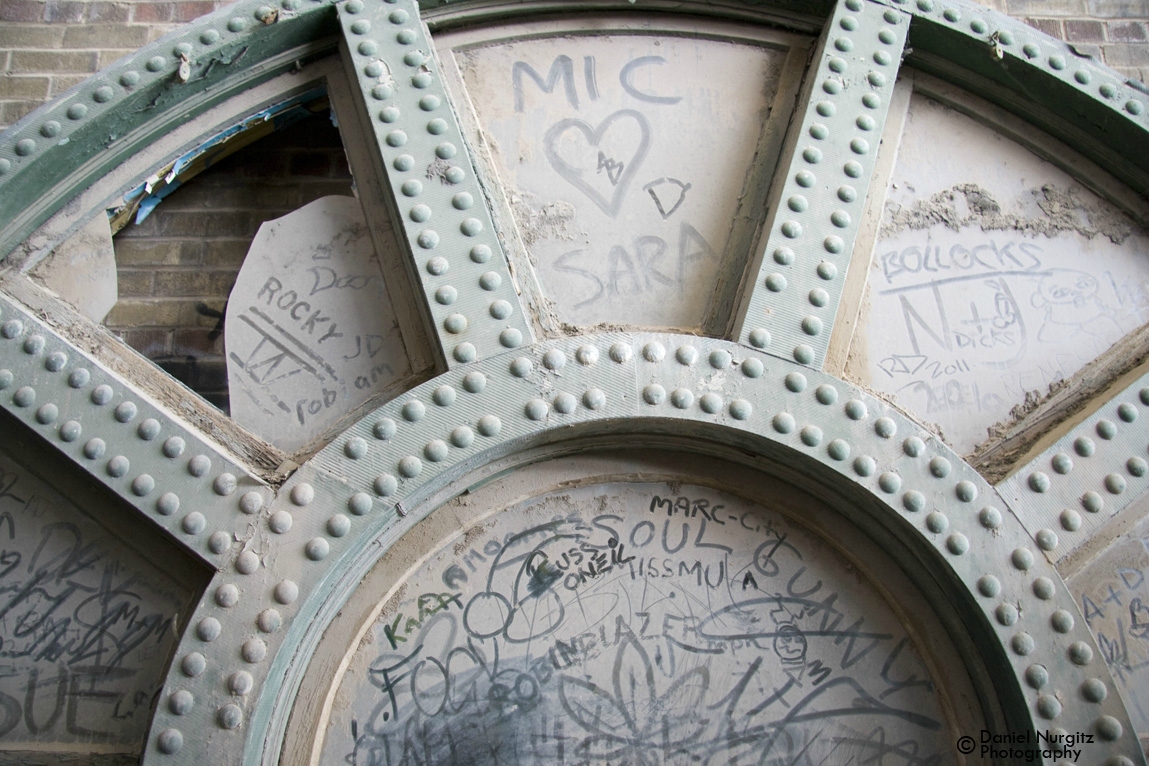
(643, 139)
(629, 624)
(309, 331)
(86, 628)
(1113, 592)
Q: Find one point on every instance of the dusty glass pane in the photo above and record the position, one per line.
(623, 158)
(996, 276)
(638, 623)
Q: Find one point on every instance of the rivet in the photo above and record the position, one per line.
(47, 414)
(78, 111)
(70, 431)
(435, 450)
(316, 549)
(1080, 653)
(474, 382)
(833, 87)
(1021, 558)
(25, 147)
(812, 155)
(489, 425)
(384, 429)
(224, 484)
(811, 325)
(827, 270)
(1070, 520)
(803, 354)
(890, 482)
(848, 23)
(937, 522)
(57, 359)
(752, 368)
(1038, 482)
(1127, 412)
(462, 201)
(988, 586)
(414, 410)
(681, 398)
(208, 629)
(462, 437)
(1084, 446)
(360, 503)
(859, 146)
(1106, 429)
(510, 338)
(470, 227)
(286, 592)
(338, 525)
(758, 338)
(1094, 690)
(836, 65)
(444, 396)
(1022, 644)
(181, 702)
(795, 381)
(1048, 707)
(1006, 614)
(142, 485)
(79, 378)
(1134, 107)
(720, 359)
(1109, 728)
(826, 394)
(855, 409)
(173, 447)
(711, 403)
(230, 716)
(193, 523)
(227, 595)
(118, 466)
(167, 504)
(1061, 463)
(594, 399)
(193, 665)
(11, 329)
(361, 27)
(170, 741)
(833, 244)
(237, 25)
(199, 465)
(398, 16)
(1043, 588)
(1115, 483)
(410, 466)
(775, 282)
(951, 15)
(1036, 676)
(355, 448)
(989, 517)
(840, 218)
(852, 169)
(1046, 539)
(302, 494)
(218, 542)
(957, 543)
(25, 396)
(1107, 90)
(280, 522)
(269, 620)
(1061, 621)
(414, 58)
(565, 403)
(844, 44)
(1092, 502)
(240, 683)
(783, 422)
(367, 47)
(33, 344)
(253, 650)
(94, 449)
(838, 449)
(977, 26)
(653, 394)
(521, 367)
(804, 178)
(420, 213)
(1136, 467)
(403, 163)
(865, 465)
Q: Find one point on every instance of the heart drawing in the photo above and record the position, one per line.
(600, 162)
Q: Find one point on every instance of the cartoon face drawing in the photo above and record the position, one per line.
(790, 644)
(1067, 287)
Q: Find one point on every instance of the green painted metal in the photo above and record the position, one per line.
(798, 277)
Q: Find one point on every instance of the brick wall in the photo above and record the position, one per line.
(178, 265)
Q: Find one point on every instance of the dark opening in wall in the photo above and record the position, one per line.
(177, 266)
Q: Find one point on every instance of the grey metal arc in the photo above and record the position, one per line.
(455, 250)
(797, 280)
(234, 676)
(59, 149)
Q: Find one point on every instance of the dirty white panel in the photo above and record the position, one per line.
(624, 158)
(995, 276)
(310, 333)
(639, 624)
(1113, 593)
(82, 270)
(87, 627)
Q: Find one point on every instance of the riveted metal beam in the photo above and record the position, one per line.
(795, 283)
(235, 674)
(456, 258)
(168, 472)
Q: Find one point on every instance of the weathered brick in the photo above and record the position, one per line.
(63, 82)
(1116, 9)
(17, 87)
(109, 13)
(150, 343)
(134, 283)
(1128, 31)
(109, 57)
(126, 37)
(40, 62)
(21, 10)
(205, 312)
(197, 342)
(1087, 49)
(1051, 27)
(64, 12)
(11, 111)
(31, 36)
(226, 253)
(178, 284)
(1126, 55)
(189, 10)
(147, 252)
(1046, 7)
(1078, 30)
(137, 312)
(150, 13)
